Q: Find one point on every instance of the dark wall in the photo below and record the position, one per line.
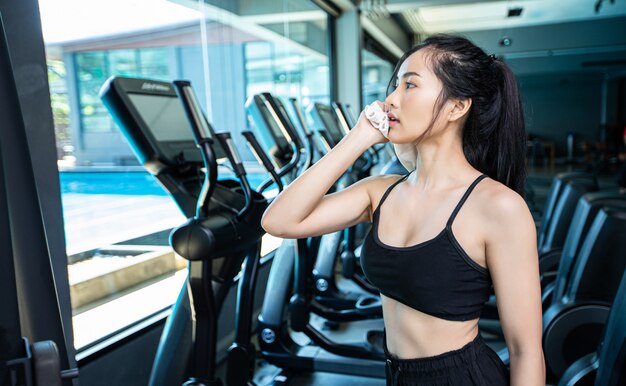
(125, 365)
(23, 30)
(555, 105)
(561, 68)
(621, 101)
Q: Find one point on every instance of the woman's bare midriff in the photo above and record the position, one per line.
(410, 333)
(413, 334)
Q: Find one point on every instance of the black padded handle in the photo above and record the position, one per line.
(231, 152)
(235, 159)
(261, 155)
(328, 141)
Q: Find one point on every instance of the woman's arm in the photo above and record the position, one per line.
(511, 250)
(303, 209)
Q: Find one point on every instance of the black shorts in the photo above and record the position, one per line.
(473, 364)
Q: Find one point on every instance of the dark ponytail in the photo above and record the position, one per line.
(510, 139)
(494, 135)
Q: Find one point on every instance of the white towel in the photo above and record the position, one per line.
(406, 153)
(377, 117)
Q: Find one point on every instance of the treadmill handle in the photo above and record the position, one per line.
(328, 142)
(262, 157)
(235, 159)
(199, 125)
(202, 136)
(231, 152)
(296, 107)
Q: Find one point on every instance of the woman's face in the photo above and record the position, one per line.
(411, 104)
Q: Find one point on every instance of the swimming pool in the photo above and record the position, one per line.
(102, 208)
(134, 183)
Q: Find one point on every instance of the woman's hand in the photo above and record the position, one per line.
(364, 129)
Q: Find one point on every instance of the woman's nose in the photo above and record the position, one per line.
(389, 102)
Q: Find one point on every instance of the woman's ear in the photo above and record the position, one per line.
(460, 107)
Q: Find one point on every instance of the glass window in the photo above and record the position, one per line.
(123, 62)
(375, 75)
(117, 217)
(95, 67)
(296, 67)
(92, 71)
(154, 63)
(60, 107)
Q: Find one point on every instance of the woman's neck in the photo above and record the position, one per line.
(440, 164)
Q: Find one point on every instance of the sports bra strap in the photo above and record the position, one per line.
(465, 196)
(384, 197)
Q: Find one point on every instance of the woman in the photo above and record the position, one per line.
(444, 233)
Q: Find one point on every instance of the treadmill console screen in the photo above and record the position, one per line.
(153, 120)
(350, 114)
(164, 115)
(329, 121)
(270, 134)
(291, 128)
(272, 124)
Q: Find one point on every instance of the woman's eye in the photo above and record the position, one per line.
(409, 85)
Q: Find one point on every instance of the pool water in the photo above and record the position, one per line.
(110, 207)
(135, 183)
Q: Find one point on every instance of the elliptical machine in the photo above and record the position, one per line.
(223, 230)
(334, 120)
(276, 341)
(227, 231)
(274, 123)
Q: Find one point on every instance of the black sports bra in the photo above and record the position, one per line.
(436, 276)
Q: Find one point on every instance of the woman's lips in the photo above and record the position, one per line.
(392, 119)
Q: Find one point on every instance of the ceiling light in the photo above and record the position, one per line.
(505, 41)
(515, 12)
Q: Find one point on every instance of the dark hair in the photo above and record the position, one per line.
(494, 135)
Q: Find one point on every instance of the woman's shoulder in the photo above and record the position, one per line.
(381, 180)
(500, 204)
(377, 185)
